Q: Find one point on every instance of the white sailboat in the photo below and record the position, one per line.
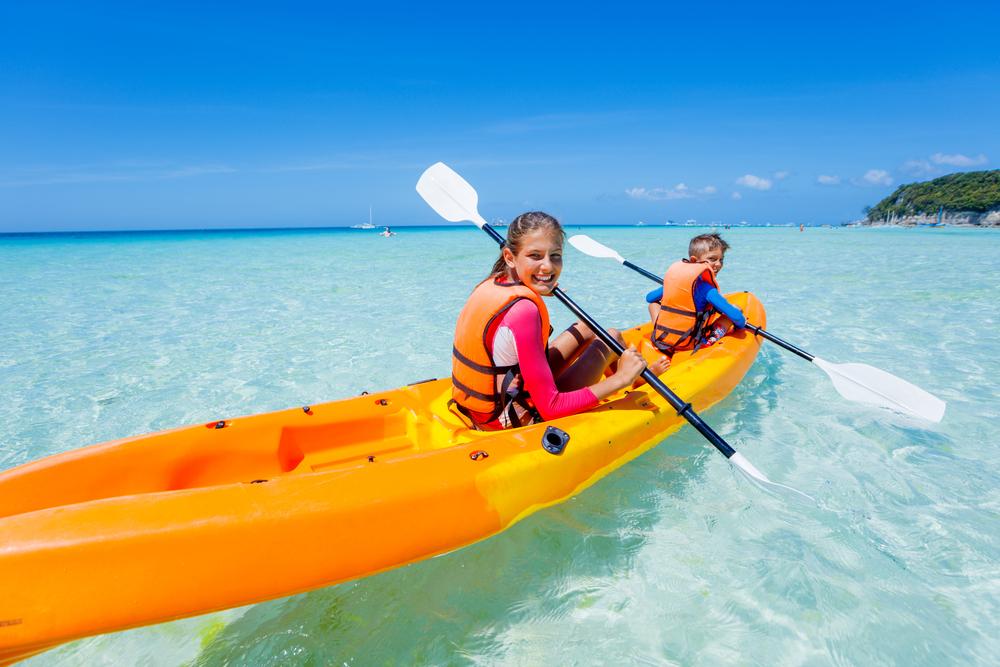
(366, 225)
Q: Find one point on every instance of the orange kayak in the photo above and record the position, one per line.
(196, 519)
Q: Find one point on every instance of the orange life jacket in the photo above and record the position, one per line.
(474, 374)
(679, 324)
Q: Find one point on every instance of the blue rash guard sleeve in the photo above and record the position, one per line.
(712, 296)
(655, 295)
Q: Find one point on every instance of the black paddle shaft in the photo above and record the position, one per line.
(782, 343)
(683, 409)
(652, 276)
(757, 330)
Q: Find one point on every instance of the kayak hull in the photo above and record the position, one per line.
(197, 519)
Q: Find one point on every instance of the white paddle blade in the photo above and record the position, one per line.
(867, 384)
(449, 194)
(589, 246)
(743, 464)
(751, 471)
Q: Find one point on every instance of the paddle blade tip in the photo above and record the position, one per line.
(866, 384)
(742, 464)
(449, 194)
(589, 246)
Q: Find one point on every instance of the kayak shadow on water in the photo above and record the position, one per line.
(464, 604)
(760, 391)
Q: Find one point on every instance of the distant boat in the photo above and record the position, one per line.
(640, 224)
(938, 223)
(365, 225)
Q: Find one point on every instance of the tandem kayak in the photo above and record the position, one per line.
(197, 519)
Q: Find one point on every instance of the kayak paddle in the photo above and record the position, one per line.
(455, 200)
(855, 382)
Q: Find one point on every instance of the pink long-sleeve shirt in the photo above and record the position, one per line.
(515, 339)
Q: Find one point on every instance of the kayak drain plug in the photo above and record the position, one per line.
(554, 440)
(478, 454)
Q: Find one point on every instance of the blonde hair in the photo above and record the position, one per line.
(703, 243)
(518, 228)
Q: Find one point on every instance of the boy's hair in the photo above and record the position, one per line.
(703, 243)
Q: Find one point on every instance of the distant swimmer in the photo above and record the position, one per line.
(802, 228)
(387, 232)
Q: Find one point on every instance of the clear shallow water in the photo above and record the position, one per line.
(673, 559)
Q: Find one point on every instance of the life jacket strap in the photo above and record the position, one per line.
(490, 398)
(487, 370)
(515, 396)
(679, 311)
(668, 330)
(462, 414)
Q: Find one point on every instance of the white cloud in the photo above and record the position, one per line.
(755, 182)
(781, 175)
(958, 160)
(679, 191)
(736, 195)
(823, 179)
(919, 168)
(878, 177)
(938, 163)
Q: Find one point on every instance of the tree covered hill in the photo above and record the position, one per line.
(972, 191)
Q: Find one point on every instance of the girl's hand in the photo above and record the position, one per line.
(630, 366)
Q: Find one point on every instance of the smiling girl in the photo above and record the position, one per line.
(505, 373)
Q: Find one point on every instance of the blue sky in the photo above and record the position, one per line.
(196, 115)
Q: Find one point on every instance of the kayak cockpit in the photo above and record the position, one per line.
(319, 439)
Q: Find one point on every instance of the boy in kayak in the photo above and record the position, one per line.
(505, 371)
(688, 311)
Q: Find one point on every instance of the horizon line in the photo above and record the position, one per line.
(174, 230)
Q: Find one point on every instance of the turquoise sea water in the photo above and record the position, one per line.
(674, 559)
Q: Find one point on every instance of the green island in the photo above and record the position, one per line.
(968, 198)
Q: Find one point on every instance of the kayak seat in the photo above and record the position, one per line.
(352, 439)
